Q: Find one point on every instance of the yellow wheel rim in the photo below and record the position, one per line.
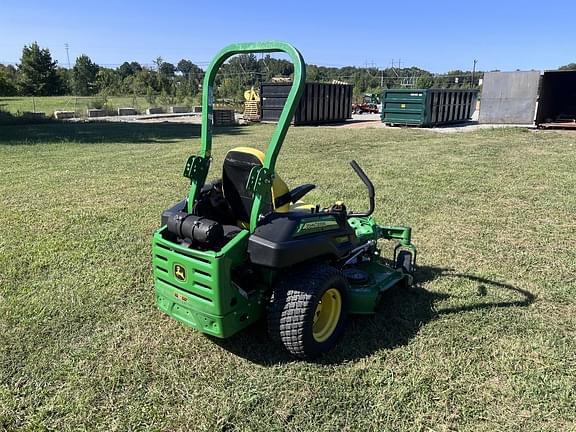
(327, 315)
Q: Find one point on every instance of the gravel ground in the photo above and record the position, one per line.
(358, 121)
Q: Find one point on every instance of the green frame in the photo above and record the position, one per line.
(260, 178)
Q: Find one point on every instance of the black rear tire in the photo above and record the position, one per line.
(294, 305)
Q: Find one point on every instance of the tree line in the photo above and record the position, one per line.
(38, 74)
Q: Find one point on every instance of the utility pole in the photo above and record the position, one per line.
(67, 47)
(474, 70)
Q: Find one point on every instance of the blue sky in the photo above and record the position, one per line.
(438, 36)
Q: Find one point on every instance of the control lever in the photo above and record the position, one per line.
(369, 186)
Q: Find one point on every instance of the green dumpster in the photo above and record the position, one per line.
(427, 107)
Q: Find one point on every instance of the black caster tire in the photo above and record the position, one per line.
(404, 262)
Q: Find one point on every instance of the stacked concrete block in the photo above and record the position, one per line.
(224, 117)
(127, 111)
(178, 109)
(61, 115)
(95, 112)
(31, 115)
(154, 110)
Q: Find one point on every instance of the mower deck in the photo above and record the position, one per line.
(365, 297)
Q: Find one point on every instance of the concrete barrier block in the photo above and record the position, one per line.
(178, 109)
(155, 110)
(61, 115)
(127, 111)
(94, 112)
(224, 117)
(31, 115)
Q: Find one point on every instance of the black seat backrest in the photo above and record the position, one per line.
(236, 170)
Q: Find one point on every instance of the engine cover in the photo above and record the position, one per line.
(285, 239)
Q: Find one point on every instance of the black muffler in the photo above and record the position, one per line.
(196, 228)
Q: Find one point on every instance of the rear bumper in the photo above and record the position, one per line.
(178, 304)
(195, 287)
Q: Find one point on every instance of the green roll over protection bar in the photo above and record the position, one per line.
(261, 177)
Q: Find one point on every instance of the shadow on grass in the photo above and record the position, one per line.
(104, 132)
(399, 317)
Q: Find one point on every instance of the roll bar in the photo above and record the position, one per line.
(198, 169)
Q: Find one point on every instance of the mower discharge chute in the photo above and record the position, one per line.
(245, 246)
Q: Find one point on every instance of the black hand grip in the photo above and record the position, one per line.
(368, 184)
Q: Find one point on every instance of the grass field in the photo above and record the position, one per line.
(486, 341)
(49, 104)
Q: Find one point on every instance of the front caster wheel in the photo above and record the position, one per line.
(405, 262)
(307, 312)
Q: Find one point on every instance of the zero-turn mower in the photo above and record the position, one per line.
(245, 246)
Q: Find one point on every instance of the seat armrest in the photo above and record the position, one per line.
(294, 195)
(298, 192)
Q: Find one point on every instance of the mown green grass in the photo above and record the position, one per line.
(49, 104)
(487, 341)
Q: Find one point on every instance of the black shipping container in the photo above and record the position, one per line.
(320, 103)
(557, 99)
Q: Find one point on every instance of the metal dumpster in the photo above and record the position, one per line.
(320, 103)
(427, 107)
(557, 101)
(509, 97)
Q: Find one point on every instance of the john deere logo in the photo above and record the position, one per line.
(316, 225)
(179, 272)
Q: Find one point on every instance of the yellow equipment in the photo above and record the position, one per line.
(251, 95)
(252, 105)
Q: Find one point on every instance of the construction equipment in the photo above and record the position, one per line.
(251, 95)
(252, 110)
(369, 104)
(245, 246)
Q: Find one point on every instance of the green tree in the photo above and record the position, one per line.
(238, 75)
(185, 66)
(136, 67)
(125, 70)
(425, 81)
(312, 73)
(108, 81)
(37, 74)
(569, 66)
(166, 78)
(7, 80)
(143, 82)
(167, 69)
(129, 69)
(65, 76)
(270, 68)
(84, 76)
(189, 82)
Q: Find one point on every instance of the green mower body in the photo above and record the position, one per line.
(245, 247)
